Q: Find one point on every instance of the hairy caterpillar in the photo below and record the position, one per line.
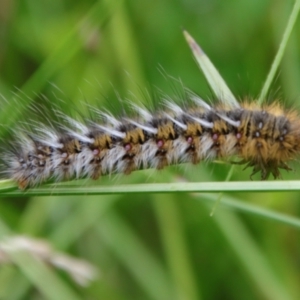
(264, 138)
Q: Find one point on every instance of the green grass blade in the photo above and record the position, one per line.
(176, 187)
(67, 49)
(280, 52)
(43, 277)
(212, 75)
(140, 262)
(248, 208)
(89, 211)
(175, 246)
(251, 256)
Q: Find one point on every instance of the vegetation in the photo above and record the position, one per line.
(76, 54)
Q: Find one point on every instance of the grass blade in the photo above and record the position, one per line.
(176, 187)
(279, 55)
(42, 277)
(212, 75)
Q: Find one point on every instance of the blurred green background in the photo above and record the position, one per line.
(104, 53)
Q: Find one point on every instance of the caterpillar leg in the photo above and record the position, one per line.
(271, 167)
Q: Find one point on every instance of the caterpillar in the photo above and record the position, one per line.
(265, 138)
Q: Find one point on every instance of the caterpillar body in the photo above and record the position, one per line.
(263, 137)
